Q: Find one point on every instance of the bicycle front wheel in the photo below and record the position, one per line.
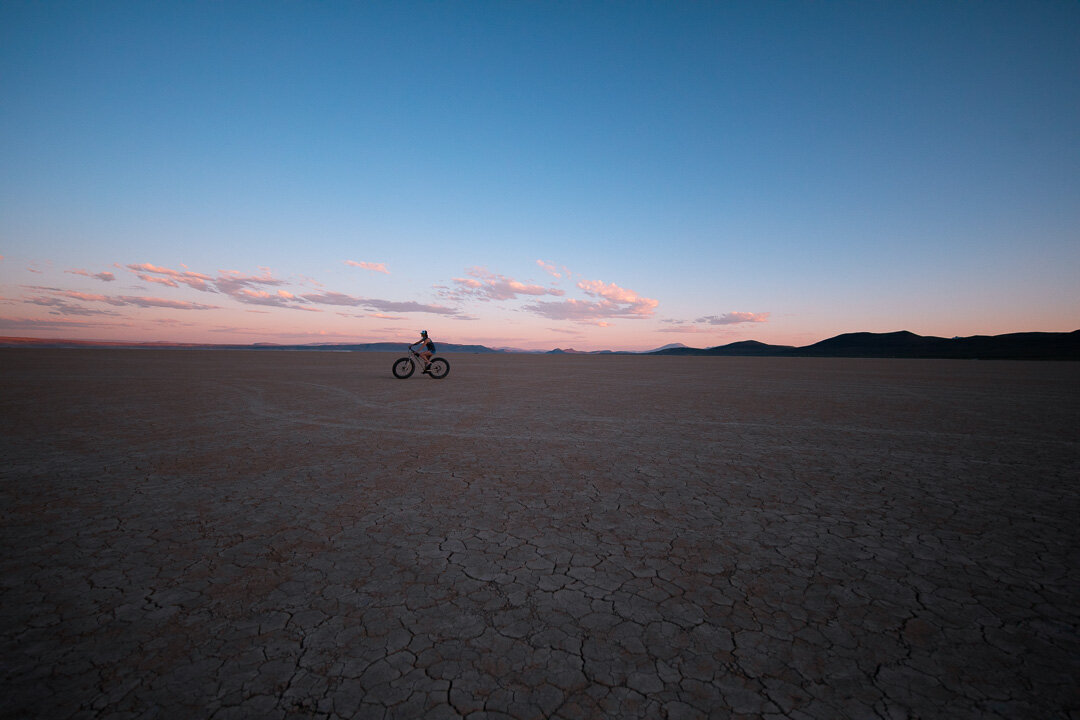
(439, 368)
(403, 368)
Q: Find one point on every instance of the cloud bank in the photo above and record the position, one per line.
(263, 289)
(343, 300)
(59, 300)
(613, 302)
(485, 285)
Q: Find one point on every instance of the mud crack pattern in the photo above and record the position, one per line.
(288, 535)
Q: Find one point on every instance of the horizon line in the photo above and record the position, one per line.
(15, 341)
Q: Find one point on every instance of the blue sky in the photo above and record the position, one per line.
(685, 172)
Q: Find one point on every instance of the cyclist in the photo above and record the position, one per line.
(429, 349)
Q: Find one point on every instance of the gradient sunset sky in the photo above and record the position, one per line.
(594, 175)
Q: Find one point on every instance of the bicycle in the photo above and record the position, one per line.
(438, 368)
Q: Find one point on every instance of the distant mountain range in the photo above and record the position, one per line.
(1014, 346)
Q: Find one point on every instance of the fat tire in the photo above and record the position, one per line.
(403, 368)
(439, 368)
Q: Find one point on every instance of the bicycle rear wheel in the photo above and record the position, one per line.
(439, 368)
(403, 368)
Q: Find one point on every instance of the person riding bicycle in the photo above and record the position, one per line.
(429, 349)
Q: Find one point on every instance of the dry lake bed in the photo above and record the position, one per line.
(259, 534)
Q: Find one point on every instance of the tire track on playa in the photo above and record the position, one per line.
(256, 404)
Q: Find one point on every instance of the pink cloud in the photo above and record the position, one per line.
(230, 281)
(194, 280)
(613, 302)
(552, 270)
(577, 310)
(487, 285)
(333, 298)
(336, 298)
(244, 288)
(237, 285)
(638, 305)
(734, 318)
(259, 295)
(103, 276)
(282, 298)
(160, 280)
(256, 290)
(312, 281)
(374, 267)
(80, 295)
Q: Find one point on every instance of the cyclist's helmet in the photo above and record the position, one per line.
(424, 333)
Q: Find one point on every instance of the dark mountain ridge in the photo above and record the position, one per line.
(904, 344)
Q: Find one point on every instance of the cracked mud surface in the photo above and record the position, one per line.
(285, 535)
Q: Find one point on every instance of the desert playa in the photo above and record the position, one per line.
(266, 534)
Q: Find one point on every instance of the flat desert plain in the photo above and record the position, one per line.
(225, 534)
